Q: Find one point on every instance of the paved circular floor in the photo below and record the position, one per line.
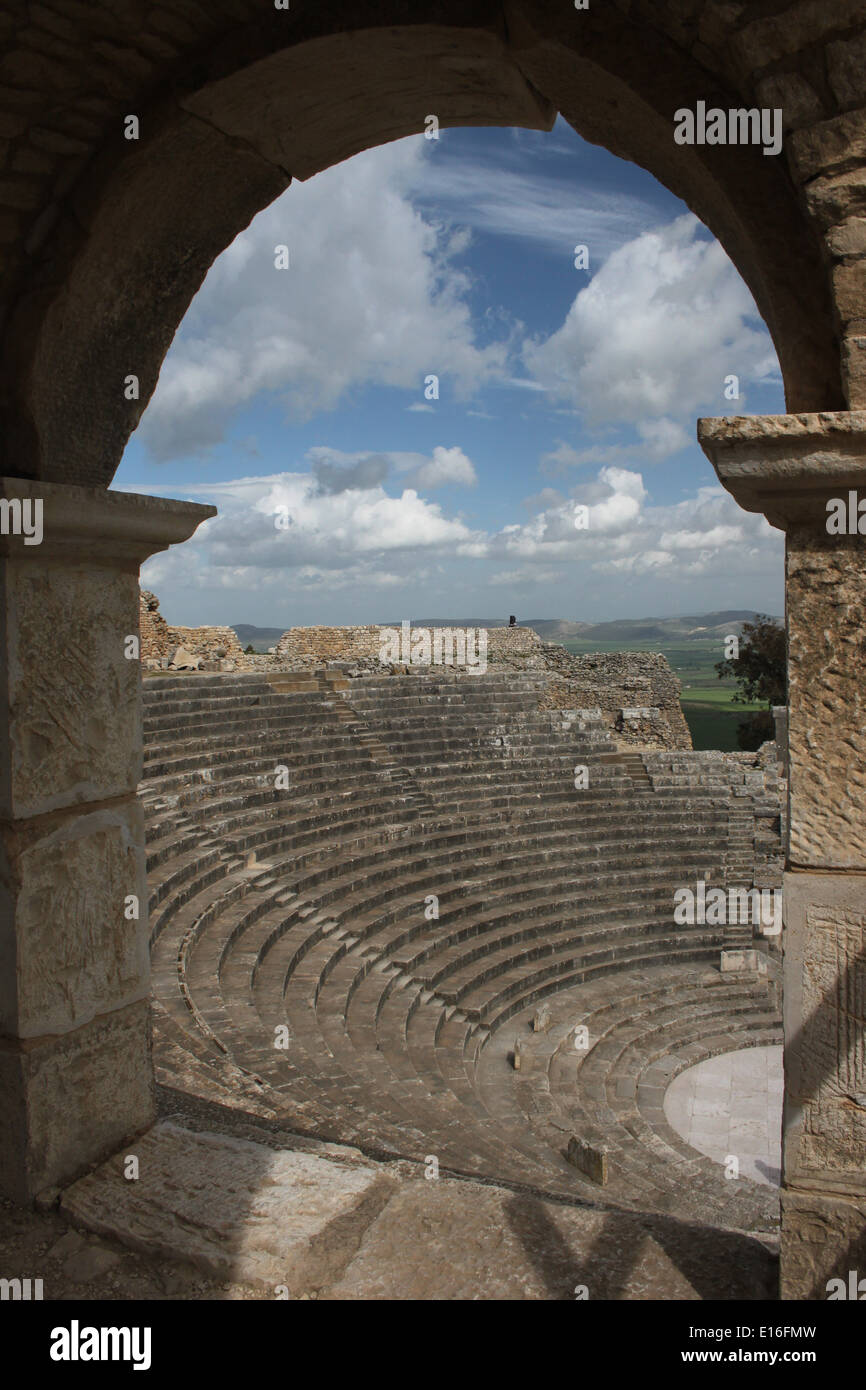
(732, 1104)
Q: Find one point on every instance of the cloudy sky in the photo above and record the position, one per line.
(299, 401)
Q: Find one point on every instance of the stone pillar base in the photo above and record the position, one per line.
(69, 1101)
(823, 1238)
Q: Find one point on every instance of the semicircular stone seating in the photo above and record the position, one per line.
(361, 892)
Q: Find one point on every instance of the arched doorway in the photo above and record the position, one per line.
(110, 236)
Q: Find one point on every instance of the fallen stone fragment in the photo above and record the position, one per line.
(184, 661)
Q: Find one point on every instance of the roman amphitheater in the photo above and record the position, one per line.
(278, 835)
(384, 911)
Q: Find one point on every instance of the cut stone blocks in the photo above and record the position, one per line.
(69, 1101)
(591, 1159)
(825, 1025)
(823, 1238)
(236, 1210)
(745, 961)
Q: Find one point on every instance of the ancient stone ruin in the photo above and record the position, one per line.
(395, 1015)
(383, 909)
(633, 694)
(170, 648)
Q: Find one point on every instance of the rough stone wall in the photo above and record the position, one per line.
(160, 641)
(637, 693)
(511, 643)
(212, 643)
(155, 637)
(313, 646)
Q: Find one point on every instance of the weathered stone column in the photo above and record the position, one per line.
(75, 1067)
(789, 467)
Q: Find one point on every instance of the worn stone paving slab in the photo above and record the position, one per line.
(732, 1104)
(250, 1215)
(234, 1209)
(446, 1240)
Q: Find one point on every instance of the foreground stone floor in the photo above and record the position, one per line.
(214, 1216)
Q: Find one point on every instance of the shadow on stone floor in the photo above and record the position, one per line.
(643, 1258)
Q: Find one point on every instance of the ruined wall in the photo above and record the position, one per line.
(160, 641)
(313, 646)
(637, 693)
(156, 641)
(211, 643)
(507, 644)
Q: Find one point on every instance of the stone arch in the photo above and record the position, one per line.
(104, 246)
(108, 270)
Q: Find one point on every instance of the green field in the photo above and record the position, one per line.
(707, 704)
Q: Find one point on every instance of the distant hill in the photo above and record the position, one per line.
(556, 629)
(263, 637)
(551, 629)
(685, 629)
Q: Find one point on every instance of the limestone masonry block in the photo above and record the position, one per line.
(848, 238)
(591, 1159)
(830, 145)
(826, 699)
(797, 99)
(75, 952)
(184, 661)
(73, 694)
(846, 61)
(97, 1078)
(825, 1026)
(235, 1209)
(823, 1237)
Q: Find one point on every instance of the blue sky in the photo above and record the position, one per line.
(294, 399)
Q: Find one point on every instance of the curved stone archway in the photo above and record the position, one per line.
(225, 125)
(105, 241)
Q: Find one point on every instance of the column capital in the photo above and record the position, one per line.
(787, 466)
(118, 530)
(69, 602)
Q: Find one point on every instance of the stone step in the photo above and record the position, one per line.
(399, 1025)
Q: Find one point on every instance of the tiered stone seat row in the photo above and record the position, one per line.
(351, 952)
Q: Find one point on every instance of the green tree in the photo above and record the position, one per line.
(250, 648)
(761, 673)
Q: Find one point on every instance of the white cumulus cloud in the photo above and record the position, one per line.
(650, 340)
(372, 296)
